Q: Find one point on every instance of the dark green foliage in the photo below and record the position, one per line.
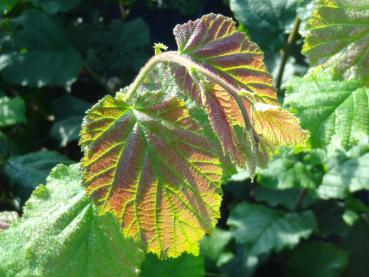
(305, 215)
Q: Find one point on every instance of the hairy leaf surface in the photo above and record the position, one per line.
(335, 112)
(61, 233)
(347, 173)
(337, 36)
(151, 165)
(263, 229)
(214, 43)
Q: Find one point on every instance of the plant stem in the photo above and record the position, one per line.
(300, 198)
(187, 62)
(287, 50)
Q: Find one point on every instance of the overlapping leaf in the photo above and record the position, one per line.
(338, 36)
(61, 231)
(335, 112)
(263, 229)
(150, 164)
(215, 44)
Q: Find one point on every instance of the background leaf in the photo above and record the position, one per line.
(60, 232)
(183, 266)
(337, 37)
(264, 229)
(315, 259)
(267, 21)
(12, 111)
(336, 113)
(40, 44)
(28, 171)
(347, 173)
(54, 6)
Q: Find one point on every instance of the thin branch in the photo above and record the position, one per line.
(300, 197)
(287, 51)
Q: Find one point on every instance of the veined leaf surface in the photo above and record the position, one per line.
(337, 36)
(151, 165)
(214, 43)
(335, 112)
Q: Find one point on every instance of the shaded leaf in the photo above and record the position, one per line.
(286, 198)
(267, 21)
(28, 171)
(357, 244)
(347, 173)
(151, 165)
(119, 47)
(7, 5)
(263, 229)
(329, 216)
(183, 266)
(12, 111)
(40, 44)
(315, 259)
(337, 37)
(187, 7)
(336, 113)
(67, 130)
(213, 248)
(60, 232)
(54, 6)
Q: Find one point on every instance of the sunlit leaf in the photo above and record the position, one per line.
(214, 43)
(335, 112)
(60, 231)
(347, 173)
(337, 37)
(6, 219)
(151, 165)
(263, 229)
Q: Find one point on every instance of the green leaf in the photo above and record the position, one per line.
(213, 248)
(7, 5)
(54, 6)
(183, 266)
(61, 232)
(329, 216)
(119, 47)
(28, 171)
(347, 173)
(7, 148)
(335, 112)
(286, 198)
(238, 73)
(12, 111)
(263, 229)
(292, 169)
(150, 164)
(67, 130)
(266, 20)
(357, 244)
(337, 37)
(6, 219)
(316, 259)
(42, 55)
